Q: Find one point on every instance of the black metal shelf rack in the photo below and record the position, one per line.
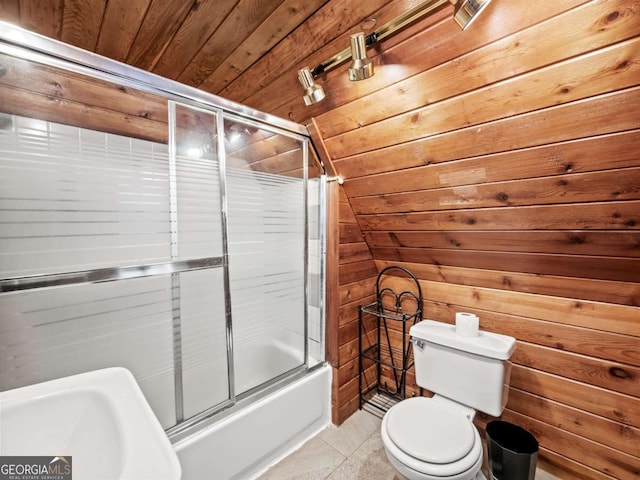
(392, 314)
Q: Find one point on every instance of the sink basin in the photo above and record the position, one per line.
(100, 419)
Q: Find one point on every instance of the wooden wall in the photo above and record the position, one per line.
(501, 164)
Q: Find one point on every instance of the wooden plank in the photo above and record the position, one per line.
(275, 29)
(607, 346)
(623, 293)
(603, 152)
(350, 350)
(612, 318)
(571, 242)
(81, 21)
(42, 16)
(622, 269)
(614, 434)
(332, 300)
(354, 252)
(356, 291)
(59, 85)
(349, 400)
(606, 216)
(161, 22)
(612, 405)
(120, 24)
(43, 107)
(353, 272)
(622, 184)
(348, 371)
(603, 114)
(245, 17)
(349, 311)
(609, 375)
(200, 23)
(595, 455)
(561, 37)
(350, 233)
(566, 468)
(320, 150)
(10, 11)
(346, 213)
(348, 332)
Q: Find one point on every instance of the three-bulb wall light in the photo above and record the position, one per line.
(361, 68)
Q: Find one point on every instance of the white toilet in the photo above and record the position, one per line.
(434, 438)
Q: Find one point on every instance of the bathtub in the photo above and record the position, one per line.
(255, 434)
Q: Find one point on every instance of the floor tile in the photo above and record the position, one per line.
(315, 460)
(352, 433)
(368, 462)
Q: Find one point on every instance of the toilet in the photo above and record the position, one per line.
(435, 438)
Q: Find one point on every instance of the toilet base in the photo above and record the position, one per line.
(407, 473)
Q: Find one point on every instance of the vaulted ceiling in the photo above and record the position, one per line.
(204, 43)
(233, 48)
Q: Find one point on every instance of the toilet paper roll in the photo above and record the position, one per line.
(467, 324)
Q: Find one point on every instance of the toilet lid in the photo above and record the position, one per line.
(425, 430)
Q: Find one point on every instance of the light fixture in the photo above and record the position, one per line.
(468, 10)
(361, 67)
(313, 92)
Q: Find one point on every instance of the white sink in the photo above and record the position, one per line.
(100, 419)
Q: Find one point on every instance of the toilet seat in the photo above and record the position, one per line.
(431, 439)
(424, 430)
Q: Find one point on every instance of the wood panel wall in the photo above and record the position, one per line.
(351, 278)
(501, 164)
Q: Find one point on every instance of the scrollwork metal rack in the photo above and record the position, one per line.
(379, 324)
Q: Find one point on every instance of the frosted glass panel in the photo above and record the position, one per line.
(198, 184)
(204, 345)
(52, 333)
(76, 199)
(266, 225)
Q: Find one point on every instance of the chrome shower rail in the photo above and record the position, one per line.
(107, 274)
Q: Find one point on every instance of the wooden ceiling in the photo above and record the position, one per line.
(237, 49)
(204, 43)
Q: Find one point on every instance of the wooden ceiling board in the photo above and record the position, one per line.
(120, 25)
(284, 20)
(244, 19)
(42, 16)
(81, 20)
(161, 22)
(10, 10)
(202, 21)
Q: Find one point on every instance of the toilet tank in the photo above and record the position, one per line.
(473, 371)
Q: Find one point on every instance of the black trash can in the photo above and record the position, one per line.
(512, 451)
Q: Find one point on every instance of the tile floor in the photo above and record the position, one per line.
(349, 452)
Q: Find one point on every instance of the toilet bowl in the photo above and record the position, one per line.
(432, 439)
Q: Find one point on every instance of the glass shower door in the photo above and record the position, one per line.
(199, 297)
(266, 181)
